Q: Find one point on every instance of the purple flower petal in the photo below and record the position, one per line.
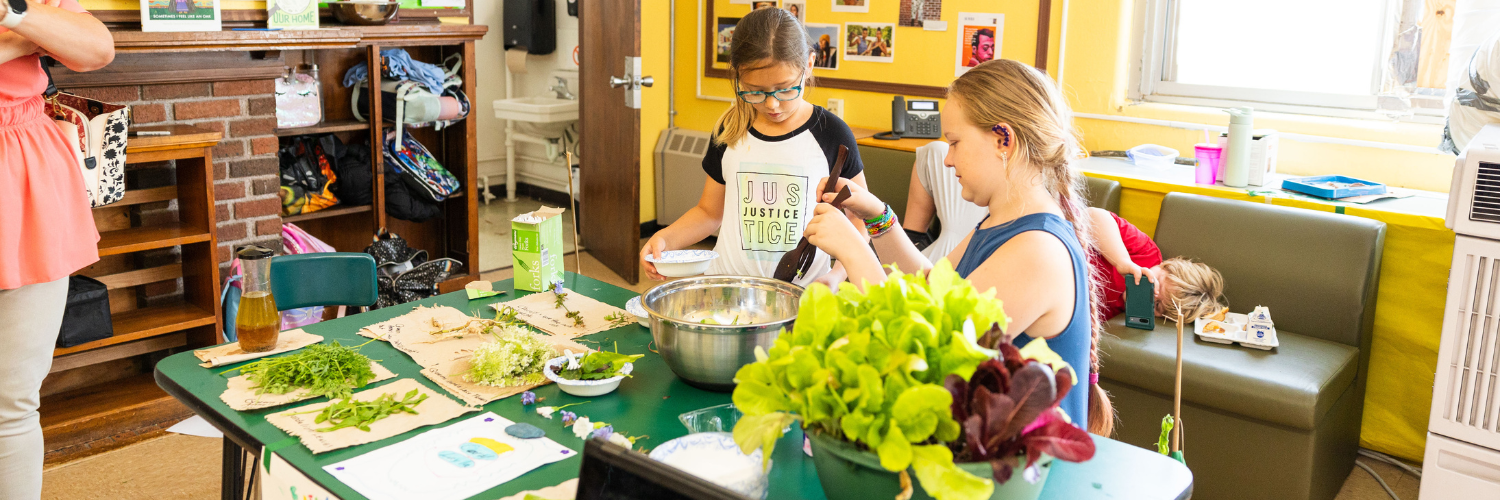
(488, 419)
(565, 452)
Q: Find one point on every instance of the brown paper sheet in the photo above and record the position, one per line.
(567, 490)
(540, 310)
(450, 376)
(289, 340)
(436, 409)
(241, 392)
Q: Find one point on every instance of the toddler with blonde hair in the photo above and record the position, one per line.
(1180, 284)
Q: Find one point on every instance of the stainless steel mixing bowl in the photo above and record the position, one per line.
(707, 327)
(365, 13)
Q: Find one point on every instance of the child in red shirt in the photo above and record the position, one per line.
(1122, 249)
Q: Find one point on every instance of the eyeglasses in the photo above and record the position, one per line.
(757, 97)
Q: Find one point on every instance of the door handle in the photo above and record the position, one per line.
(616, 82)
(630, 83)
(645, 81)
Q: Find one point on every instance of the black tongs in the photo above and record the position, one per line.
(799, 261)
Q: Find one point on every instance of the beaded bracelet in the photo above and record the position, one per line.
(882, 223)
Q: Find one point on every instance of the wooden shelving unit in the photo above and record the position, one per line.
(325, 127)
(81, 414)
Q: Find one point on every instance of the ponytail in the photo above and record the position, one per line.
(1007, 91)
(763, 38)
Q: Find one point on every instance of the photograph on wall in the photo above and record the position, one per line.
(978, 39)
(913, 12)
(797, 9)
(761, 4)
(180, 15)
(825, 39)
(851, 5)
(722, 36)
(874, 42)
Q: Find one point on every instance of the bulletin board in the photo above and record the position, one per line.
(923, 60)
(249, 11)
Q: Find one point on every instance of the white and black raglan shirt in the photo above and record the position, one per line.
(769, 185)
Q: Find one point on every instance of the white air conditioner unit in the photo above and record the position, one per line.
(679, 172)
(1463, 438)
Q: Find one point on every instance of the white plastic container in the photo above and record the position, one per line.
(683, 263)
(584, 388)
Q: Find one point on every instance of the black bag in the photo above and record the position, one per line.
(307, 173)
(402, 203)
(354, 185)
(86, 317)
(404, 274)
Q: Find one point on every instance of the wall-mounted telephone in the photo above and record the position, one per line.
(915, 118)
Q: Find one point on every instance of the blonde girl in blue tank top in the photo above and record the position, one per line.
(1011, 144)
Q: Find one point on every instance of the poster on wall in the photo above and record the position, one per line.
(746, 2)
(180, 15)
(292, 14)
(978, 39)
(825, 39)
(762, 4)
(913, 12)
(875, 42)
(724, 33)
(797, 9)
(851, 5)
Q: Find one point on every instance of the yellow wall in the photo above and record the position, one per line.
(1096, 77)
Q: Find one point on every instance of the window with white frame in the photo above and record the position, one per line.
(1327, 57)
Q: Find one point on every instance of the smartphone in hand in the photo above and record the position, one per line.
(1140, 304)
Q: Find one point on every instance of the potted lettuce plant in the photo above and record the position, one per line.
(891, 382)
(863, 372)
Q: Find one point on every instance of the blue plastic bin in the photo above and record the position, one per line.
(1314, 186)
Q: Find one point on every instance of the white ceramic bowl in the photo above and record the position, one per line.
(683, 263)
(724, 464)
(584, 388)
(634, 307)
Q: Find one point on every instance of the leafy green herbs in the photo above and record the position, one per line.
(328, 370)
(561, 303)
(515, 357)
(618, 319)
(504, 316)
(711, 321)
(597, 365)
(350, 412)
(868, 368)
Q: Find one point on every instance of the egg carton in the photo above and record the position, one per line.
(1235, 327)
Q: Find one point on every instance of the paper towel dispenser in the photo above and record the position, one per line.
(532, 25)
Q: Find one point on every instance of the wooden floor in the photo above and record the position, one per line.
(137, 409)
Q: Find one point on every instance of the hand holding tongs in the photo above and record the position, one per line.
(800, 259)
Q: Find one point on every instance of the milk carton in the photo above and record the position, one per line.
(1259, 328)
(536, 247)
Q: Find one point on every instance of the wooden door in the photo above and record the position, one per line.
(610, 135)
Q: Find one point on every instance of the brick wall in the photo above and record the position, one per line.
(245, 165)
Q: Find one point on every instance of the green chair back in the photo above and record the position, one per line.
(323, 279)
(315, 279)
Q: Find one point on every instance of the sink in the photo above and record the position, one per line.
(537, 109)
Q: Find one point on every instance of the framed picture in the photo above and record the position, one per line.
(180, 15)
(797, 9)
(292, 14)
(913, 12)
(978, 39)
(875, 42)
(825, 39)
(762, 4)
(723, 34)
(851, 5)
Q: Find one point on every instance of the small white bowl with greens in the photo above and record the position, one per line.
(593, 374)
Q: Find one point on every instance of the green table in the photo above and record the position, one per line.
(645, 405)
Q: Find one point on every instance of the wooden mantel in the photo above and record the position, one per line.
(135, 41)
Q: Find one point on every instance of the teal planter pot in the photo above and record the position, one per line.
(848, 473)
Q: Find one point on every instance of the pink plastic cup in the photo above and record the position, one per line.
(1208, 162)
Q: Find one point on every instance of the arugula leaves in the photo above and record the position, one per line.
(868, 368)
(323, 369)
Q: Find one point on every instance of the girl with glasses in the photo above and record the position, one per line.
(769, 150)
